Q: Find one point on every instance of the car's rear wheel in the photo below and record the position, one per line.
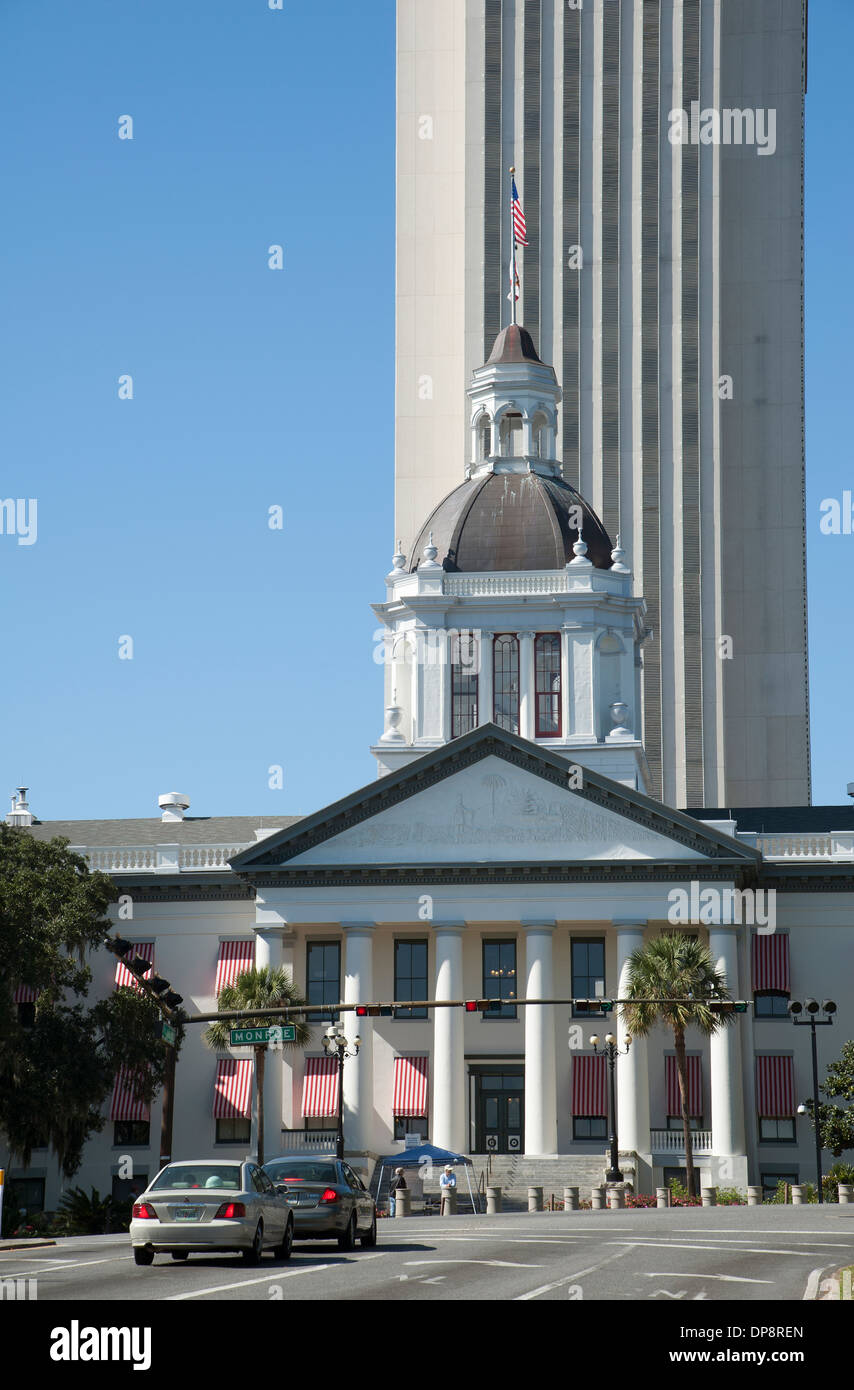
(142, 1256)
(348, 1240)
(180, 1254)
(252, 1256)
(285, 1249)
(369, 1239)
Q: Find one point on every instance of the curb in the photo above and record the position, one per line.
(24, 1244)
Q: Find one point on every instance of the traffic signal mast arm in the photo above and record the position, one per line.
(388, 1008)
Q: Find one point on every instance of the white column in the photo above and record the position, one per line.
(632, 1070)
(540, 1047)
(449, 1103)
(725, 1052)
(484, 679)
(359, 1070)
(582, 683)
(565, 678)
(268, 952)
(526, 684)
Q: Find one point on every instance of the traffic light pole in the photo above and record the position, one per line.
(168, 1109)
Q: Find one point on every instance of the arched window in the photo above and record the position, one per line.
(505, 682)
(465, 663)
(510, 431)
(540, 432)
(484, 437)
(547, 670)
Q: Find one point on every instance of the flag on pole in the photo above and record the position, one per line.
(514, 282)
(520, 229)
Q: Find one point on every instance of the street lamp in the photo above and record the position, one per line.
(611, 1052)
(812, 1007)
(335, 1045)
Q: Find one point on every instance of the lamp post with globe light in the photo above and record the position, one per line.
(812, 1007)
(335, 1045)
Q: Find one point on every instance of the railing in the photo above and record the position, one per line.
(305, 1141)
(671, 1141)
(474, 586)
(208, 856)
(112, 859)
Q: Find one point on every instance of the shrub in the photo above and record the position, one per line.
(731, 1197)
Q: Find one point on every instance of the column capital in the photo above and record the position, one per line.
(535, 924)
(629, 923)
(449, 926)
(353, 927)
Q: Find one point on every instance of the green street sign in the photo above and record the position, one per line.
(168, 1034)
(252, 1037)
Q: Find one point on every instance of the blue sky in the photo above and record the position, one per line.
(253, 388)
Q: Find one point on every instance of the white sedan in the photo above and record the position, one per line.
(211, 1205)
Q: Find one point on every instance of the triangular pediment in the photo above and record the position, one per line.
(491, 797)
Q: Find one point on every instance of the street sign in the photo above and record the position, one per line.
(168, 1034)
(252, 1037)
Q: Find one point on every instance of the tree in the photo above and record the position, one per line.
(836, 1122)
(262, 987)
(675, 968)
(58, 1068)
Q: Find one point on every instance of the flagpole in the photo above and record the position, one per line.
(513, 236)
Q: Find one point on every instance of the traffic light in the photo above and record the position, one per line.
(374, 1011)
(592, 1006)
(727, 1006)
(483, 1006)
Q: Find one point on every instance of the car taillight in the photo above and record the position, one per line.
(142, 1212)
(231, 1211)
(329, 1196)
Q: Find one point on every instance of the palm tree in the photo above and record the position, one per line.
(675, 968)
(261, 987)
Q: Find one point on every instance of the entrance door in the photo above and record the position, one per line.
(501, 1111)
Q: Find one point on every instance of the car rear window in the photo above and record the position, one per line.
(218, 1177)
(302, 1172)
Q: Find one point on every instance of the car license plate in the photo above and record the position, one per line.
(187, 1213)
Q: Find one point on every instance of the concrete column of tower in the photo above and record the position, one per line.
(484, 679)
(268, 953)
(565, 682)
(449, 1100)
(526, 684)
(540, 1045)
(725, 1053)
(358, 1070)
(632, 1069)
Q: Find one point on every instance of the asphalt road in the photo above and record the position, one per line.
(763, 1253)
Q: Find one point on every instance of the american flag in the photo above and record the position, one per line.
(520, 229)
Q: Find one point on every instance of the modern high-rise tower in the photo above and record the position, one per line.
(664, 280)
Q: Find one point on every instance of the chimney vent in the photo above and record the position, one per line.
(173, 805)
(20, 813)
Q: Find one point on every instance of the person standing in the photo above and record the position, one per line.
(447, 1183)
(397, 1182)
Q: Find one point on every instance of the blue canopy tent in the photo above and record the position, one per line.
(425, 1156)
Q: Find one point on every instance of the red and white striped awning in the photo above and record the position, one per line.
(695, 1086)
(775, 1088)
(233, 1089)
(25, 994)
(123, 975)
(320, 1088)
(770, 961)
(589, 1095)
(234, 958)
(124, 1104)
(410, 1086)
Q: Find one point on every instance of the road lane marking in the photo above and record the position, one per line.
(263, 1279)
(569, 1279)
(504, 1264)
(811, 1291)
(726, 1278)
(60, 1266)
(750, 1250)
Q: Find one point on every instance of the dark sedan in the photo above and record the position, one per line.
(329, 1201)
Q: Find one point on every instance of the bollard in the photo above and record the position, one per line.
(661, 1196)
(570, 1199)
(448, 1204)
(846, 1194)
(403, 1202)
(797, 1195)
(493, 1200)
(535, 1199)
(616, 1198)
(597, 1198)
(754, 1196)
(709, 1196)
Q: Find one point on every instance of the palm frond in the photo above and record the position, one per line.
(260, 987)
(675, 968)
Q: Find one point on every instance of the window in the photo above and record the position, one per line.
(410, 975)
(547, 666)
(505, 683)
(28, 1193)
(323, 978)
(770, 1177)
(770, 1003)
(510, 432)
(499, 976)
(128, 1189)
(588, 971)
(233, 1131)
(484, 437)
(324, 1122)
(674, 1122)
(777, 1131)
(464, 668)
(130, 1132)
(589, 1127)
(410, 1124)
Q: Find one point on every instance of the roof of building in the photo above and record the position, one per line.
(783, 820)
(513, 344)
(511, 521)
(193, 830)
